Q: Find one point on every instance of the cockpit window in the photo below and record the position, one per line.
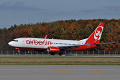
(16, 40)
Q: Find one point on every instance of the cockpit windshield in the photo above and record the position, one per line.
(16, 40)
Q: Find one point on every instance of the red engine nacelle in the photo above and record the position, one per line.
(17, 48)
(53, 49)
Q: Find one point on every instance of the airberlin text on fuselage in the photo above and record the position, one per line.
(36, 42)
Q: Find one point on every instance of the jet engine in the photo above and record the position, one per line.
(53, 49)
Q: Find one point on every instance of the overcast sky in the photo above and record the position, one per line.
(33, 11)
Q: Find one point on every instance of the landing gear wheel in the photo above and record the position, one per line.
(60, 53)
(52, 53)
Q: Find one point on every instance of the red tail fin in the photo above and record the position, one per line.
(96, 35)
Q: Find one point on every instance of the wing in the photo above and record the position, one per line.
(76, 46)
(71, 47)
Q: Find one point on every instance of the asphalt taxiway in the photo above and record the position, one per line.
(59, 72)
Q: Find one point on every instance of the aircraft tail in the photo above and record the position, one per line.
(96, 35)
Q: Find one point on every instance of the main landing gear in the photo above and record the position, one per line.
(60, 53)
(52, 53)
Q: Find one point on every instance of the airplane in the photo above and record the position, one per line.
(59, 45)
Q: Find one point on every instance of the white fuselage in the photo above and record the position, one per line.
(43, 43)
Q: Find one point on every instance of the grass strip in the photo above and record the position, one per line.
(58, 61)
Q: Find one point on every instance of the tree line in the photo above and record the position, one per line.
(67, 29)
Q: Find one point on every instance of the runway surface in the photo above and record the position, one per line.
(59, 72)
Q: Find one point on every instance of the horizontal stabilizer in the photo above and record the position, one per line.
(105, 43)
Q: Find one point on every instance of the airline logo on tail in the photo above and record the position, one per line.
(98, 33)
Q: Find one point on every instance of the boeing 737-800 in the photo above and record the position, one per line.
(58, 45)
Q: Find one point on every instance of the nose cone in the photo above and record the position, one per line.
(10, 43)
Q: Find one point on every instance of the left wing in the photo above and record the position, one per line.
(76, 46)
(71, 46)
